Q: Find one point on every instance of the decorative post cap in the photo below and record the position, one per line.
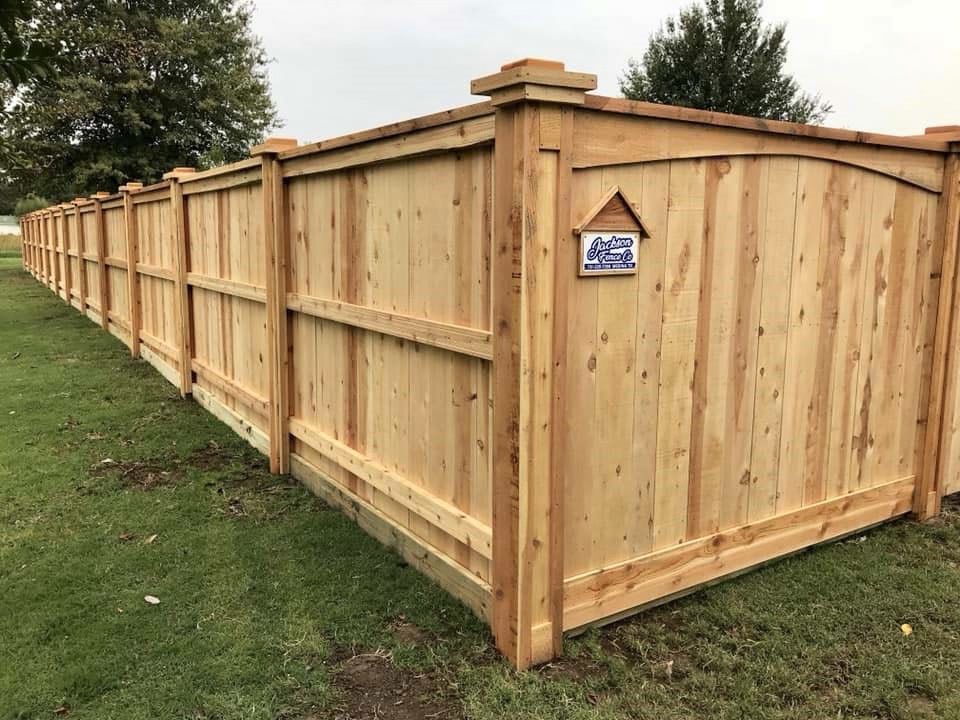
(131, 187)
(273, 145)
(534, 79)
(178, 172)
(79, 200)
(99, 195)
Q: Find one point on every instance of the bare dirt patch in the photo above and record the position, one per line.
(151, 473)
(949, 511)
(409, 633)
(921, 706)
(138, 474)
(371, 687)
(212, 456)
(574, 669)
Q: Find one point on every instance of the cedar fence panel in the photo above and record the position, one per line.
(226, 278)
(396, 317)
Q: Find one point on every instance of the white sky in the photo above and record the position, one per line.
(345, 65)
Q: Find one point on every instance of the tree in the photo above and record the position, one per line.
(20, 60)
(720, 56)
(28, 203)
(140, 86)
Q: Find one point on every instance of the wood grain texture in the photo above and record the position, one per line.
(632, 584)
(940, 460)
(773, 127)
(387, 274)
(436, 140)
(609, 138)
(278, 366)
(134, 301)
(782, 310)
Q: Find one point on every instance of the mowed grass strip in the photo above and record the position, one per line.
(10, 245)
(272, 605)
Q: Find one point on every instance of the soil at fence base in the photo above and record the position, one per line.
(371, 687)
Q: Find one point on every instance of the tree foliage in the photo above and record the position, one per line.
(28, 203)
(20, 59)
(139, 87)
(721, 56)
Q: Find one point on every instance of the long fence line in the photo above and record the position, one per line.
(414, 322)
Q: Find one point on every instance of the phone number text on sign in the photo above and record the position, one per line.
(608, 253)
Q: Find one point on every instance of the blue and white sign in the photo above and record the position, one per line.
(608, 253)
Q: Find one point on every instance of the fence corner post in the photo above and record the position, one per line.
(182, 289)
(275, 242)
(944, 380)
(534, 102)
(133, 281)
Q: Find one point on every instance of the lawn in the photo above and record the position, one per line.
(274, 606)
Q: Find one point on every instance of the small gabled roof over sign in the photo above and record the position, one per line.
(614, 211)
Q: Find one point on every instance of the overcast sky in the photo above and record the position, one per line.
(345, 65)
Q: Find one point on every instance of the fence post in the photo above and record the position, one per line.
(65, 244)
(32, 225)
(182, 290)
(943, 375)
(26, 227)
(34, 254)
(104, 286)
(24, 260)
(275, 241)
(81, 262)
(35, 238)
(133, 281)
(41, 250)
(52, 260)
(532, 176)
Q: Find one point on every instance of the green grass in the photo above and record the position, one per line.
(266, 593)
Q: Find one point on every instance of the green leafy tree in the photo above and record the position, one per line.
(721, 56)
(28, 203)
(20, 59)
(140, 86)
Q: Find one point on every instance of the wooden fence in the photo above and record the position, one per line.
(407, 320)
